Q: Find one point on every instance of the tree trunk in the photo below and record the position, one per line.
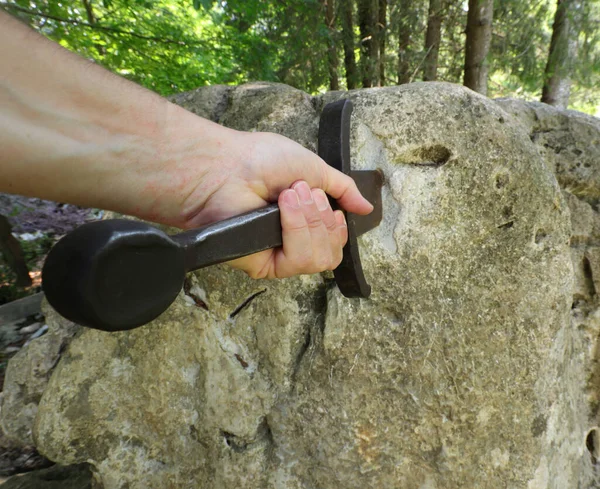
(479, 37)
(404, 39)
(432, 40)
(381, 34)
(332, 57)
(89, 10)
(367, 15)
(557, 83)
(348, 41)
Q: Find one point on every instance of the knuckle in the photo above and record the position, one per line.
(337, 260)
(331, 225)
(323, 262)
(296, 226)
(314, 221)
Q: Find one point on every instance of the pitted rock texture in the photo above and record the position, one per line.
(27, 376)
(460, 371)
(569, 142)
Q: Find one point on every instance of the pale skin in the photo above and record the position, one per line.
(72, 132)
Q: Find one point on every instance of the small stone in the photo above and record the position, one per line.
(37, 334)
(32, 328)
(12, 349)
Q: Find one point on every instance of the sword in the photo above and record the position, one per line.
(118, 274)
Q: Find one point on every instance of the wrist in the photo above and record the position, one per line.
(191, 159)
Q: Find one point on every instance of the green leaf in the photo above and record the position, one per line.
(205, 4)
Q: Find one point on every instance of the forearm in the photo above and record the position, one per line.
(73, 132)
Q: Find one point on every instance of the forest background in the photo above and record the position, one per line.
(529, 49)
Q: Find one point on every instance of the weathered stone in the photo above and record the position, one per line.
(269, 107)
(568, 140)
(27, 376)
(208, 102)
(462, 370)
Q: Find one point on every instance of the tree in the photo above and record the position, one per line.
(404, 17)
(170, 46)
(381, 35)
(132, 38)
(367, 16)
(332, 57)
(346, 7)
(563, 48)
(432, 40)
(479, 36)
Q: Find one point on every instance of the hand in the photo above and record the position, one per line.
(259, 171)
(255, 169)
(95, 140)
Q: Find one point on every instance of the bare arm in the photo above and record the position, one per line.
(72, 132)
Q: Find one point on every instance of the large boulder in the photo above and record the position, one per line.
(570, 143)
(462, 370)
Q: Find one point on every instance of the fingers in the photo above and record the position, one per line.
(277, 161)
(313, 234)
(342, 188)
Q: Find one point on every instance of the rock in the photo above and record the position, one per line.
(568, 140)
(56, 477)
(27, 375)
(462, 369)
(269, 107)
(32, 328)
(208, 102)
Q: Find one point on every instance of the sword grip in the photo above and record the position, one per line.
(231, 238)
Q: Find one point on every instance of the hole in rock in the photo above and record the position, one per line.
(502, 180)
(187, 289)
(589, 276)
(245, 304)
(540, 235)
(234, 442)
(435, 155)
(243, 362)
(506, 225)
(591, 443)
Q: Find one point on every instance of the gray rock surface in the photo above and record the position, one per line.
(462, 370)
(27, 376)
(568, 140)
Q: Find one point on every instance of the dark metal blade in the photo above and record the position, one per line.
(369, 182)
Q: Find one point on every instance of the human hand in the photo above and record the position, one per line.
(255, 169)
(96, 140)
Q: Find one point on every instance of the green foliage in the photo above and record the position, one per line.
(175, 45)
(521, 37)
(165, 45)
